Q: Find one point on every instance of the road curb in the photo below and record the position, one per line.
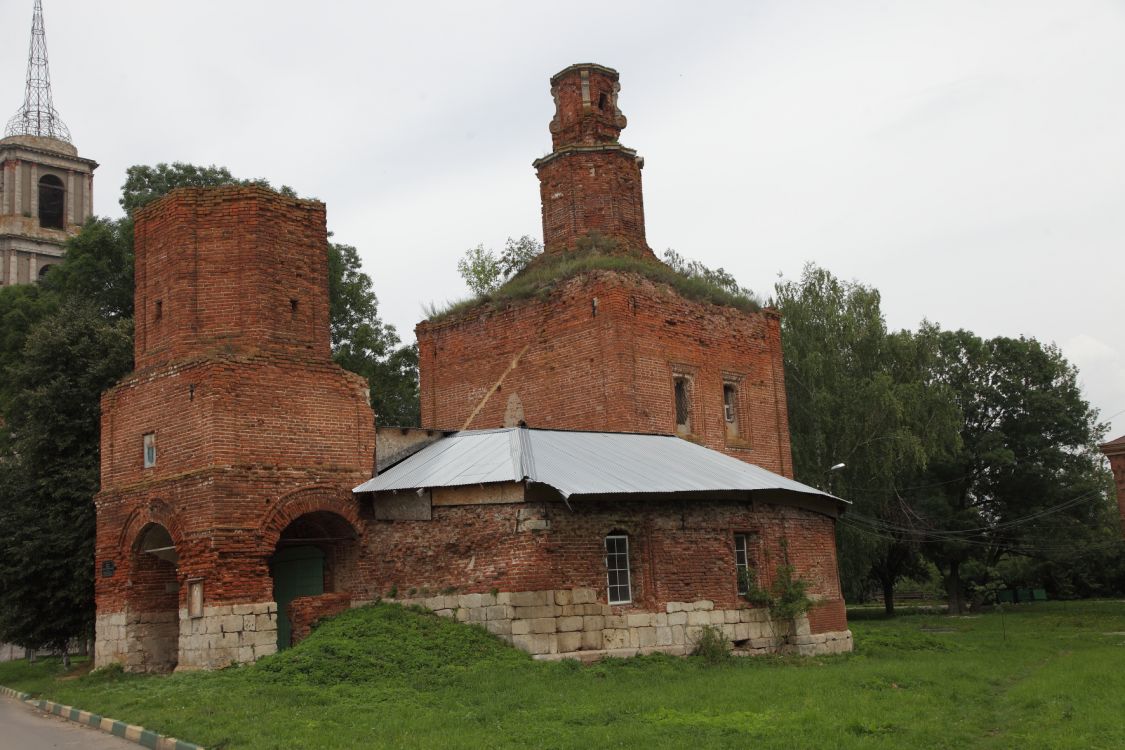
(130, 732)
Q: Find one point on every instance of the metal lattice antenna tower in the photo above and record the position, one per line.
(37, 116)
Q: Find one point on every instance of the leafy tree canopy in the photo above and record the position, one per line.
(484, 270)
(977, 454)
(144, 183)
(49, 473)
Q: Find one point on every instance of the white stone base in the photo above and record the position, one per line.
(158, 642)
(228, 634)
(570, 623)
(109, 639)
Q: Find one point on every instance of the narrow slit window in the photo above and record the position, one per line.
(150, 450)
(742, 562)
(730, 408)
(682, 390)
(159, 309)
(617, 569)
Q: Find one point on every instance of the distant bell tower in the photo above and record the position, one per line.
(590, 183)
(46, 188)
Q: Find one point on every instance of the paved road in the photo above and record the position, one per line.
(24, 728)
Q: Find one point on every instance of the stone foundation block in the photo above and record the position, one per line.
(543, 625)
(568, 624)
(615, 638)
(568, 642)
(591, 640)
(583, 596)
(532, 598)
(530, 613)
(638, 620)
(697, 619)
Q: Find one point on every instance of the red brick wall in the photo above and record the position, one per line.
(306, 611)
(226, 266)
(611, 369)
(679, 551)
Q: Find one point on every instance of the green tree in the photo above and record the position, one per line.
(1026, 480)
(484, 270)
(50, 475)
(859, 396)
(98, 267)
(21, 307)
(362, 343)
(144, 183)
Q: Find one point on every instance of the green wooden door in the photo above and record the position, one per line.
(297, 571)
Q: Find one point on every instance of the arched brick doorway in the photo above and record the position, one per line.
(153, 599)
(315, 554)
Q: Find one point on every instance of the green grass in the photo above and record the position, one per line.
(546, 273)
(384, 676)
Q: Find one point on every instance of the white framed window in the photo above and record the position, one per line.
(620, 589)
(150, 450)
(742, 561)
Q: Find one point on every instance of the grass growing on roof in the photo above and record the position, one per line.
(547, 272)
(385, 676)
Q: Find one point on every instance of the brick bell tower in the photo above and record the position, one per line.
(590, 182)
(228, 456)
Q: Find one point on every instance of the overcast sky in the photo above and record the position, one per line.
(967, 158)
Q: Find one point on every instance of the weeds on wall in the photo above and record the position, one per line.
(595, 252)
(787, 597)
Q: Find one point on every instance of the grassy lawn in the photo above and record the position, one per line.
(387, 677)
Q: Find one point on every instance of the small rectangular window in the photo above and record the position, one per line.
(730, 408)
(150, 450)
(617, 569)
(742, 561)
(682, 390)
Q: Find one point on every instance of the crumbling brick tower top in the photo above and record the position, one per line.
(238, 271)
(590, 182)
(605, 343)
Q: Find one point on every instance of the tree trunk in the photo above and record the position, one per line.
(889, 598)
(953, 586)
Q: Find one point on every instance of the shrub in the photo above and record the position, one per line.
(711, 645)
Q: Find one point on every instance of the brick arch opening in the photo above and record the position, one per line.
(152, 601)
(317, 553)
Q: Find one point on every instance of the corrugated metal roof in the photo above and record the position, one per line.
(579, 463)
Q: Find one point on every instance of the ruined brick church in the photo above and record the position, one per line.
(600, 465)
